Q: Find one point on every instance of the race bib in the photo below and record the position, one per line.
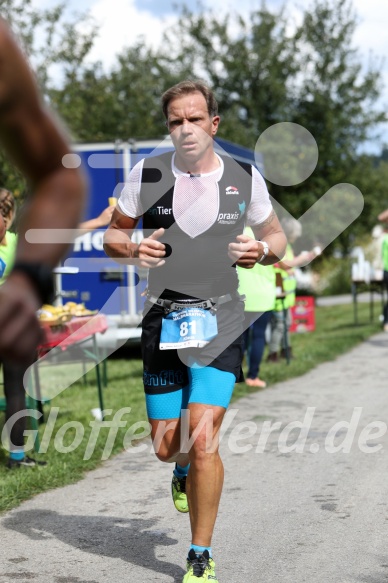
(188, 328)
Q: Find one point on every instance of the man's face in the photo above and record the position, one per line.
(191, 127)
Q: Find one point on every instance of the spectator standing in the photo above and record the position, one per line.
(281, 316)
(13, 372)
(9, 241)
(259, 287)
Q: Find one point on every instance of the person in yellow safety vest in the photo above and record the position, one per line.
(13, 372)
(281, 316)
(259, 287)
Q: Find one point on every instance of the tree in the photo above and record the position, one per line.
(264, 73)
(122, 103)
(336, 102)
(249, 68)
(48, 38)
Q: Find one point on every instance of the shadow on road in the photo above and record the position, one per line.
(132, 540)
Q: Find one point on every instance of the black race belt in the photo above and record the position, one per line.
(210, 304)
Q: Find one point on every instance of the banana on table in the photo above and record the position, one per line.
(55, 315)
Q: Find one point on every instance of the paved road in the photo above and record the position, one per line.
(285, 517)
(348, 299)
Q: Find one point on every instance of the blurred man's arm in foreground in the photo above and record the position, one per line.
(36, 143)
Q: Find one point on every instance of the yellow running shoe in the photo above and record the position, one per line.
(178, 490)
(200, 568)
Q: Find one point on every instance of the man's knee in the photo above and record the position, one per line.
(165, 453)
(165, 438)
(203, 439)
(204, 442)
(163, 456)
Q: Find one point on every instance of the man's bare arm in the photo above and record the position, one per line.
(37, 144)
(117, 238)
(271, 231)
(118, 245)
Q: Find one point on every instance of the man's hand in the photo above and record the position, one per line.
(246, 251)
(20, 332)
(150, 251)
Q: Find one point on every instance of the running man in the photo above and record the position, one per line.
(194, 204)
(37, 145)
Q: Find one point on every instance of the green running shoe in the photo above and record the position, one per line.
(200, 568)
(178, 491)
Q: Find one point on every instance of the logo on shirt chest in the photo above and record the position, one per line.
(231, 190)
(233, 217)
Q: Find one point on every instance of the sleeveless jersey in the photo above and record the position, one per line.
(196, 266)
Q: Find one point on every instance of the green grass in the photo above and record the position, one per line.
(335, 335)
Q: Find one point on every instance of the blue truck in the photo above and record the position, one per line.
(88, 275)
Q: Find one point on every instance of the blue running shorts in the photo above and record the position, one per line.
(174, 378)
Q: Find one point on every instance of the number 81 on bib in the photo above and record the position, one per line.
(188, 328)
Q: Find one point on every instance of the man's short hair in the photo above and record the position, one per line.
(187, 87)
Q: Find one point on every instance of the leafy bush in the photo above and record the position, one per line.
(334, 276)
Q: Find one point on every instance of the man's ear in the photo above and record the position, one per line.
(215, 124)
